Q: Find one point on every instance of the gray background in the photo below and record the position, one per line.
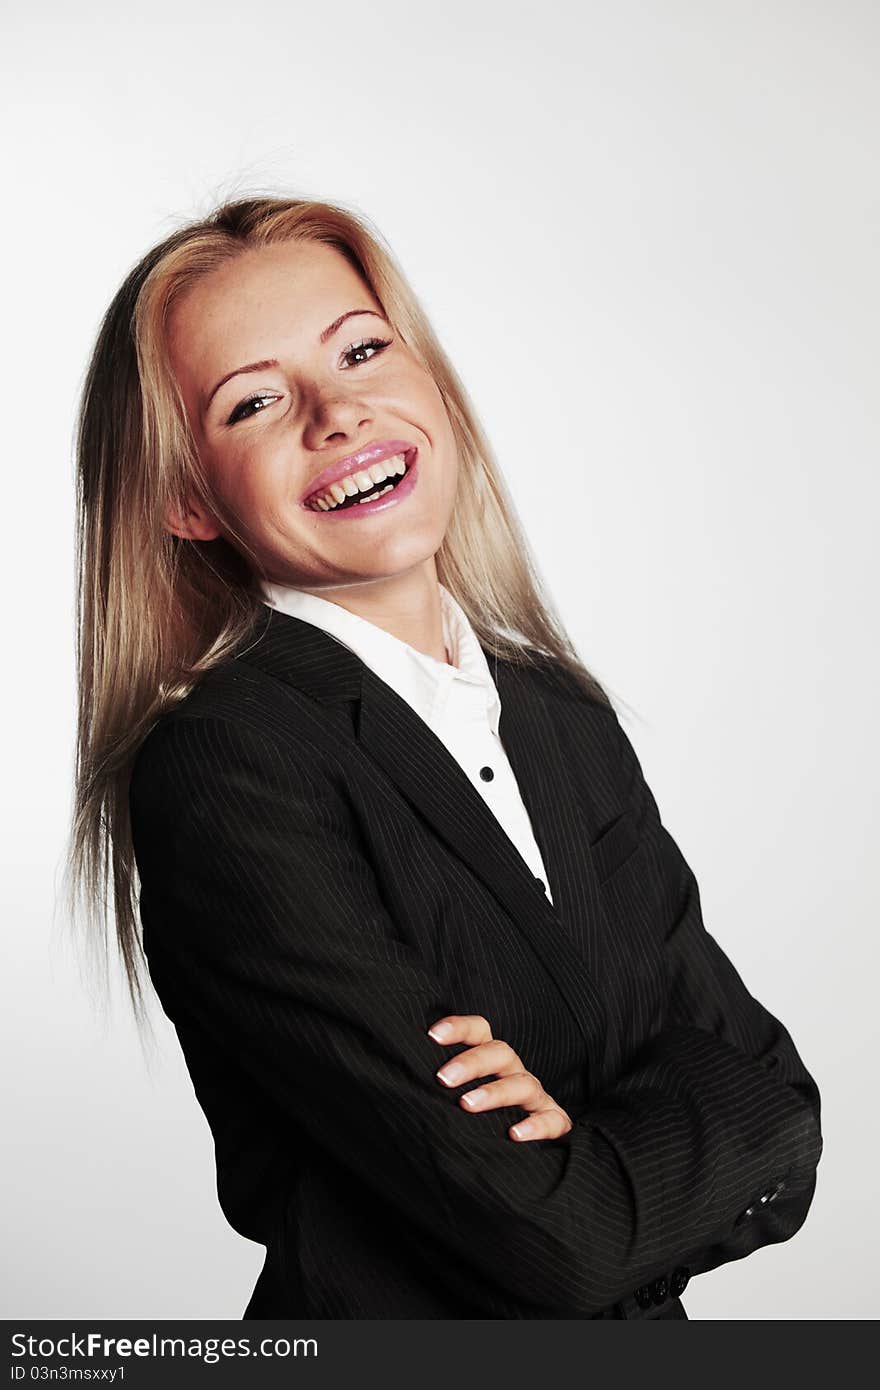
(647, 235)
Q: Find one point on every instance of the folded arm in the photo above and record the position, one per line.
(730, 1056)
(261, 907)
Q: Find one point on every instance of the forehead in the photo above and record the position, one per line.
(265, 299)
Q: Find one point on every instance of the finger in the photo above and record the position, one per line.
(543, 1124)
(521, 1089)
(468, 1028)
(495, 1058)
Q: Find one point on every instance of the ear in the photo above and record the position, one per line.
(194, 523)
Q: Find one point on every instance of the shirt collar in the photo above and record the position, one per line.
(425, 683)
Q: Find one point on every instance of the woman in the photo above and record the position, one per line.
(382, 819)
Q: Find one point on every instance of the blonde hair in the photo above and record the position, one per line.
(155, 611)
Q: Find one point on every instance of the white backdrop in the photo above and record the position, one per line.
(647, 235)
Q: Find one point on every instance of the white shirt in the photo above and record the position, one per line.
(457, 699)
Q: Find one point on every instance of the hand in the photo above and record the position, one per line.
(516, 1086)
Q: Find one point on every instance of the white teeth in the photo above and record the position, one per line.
(360, 481)
(375, 495)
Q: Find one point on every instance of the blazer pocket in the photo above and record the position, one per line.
(615, 845)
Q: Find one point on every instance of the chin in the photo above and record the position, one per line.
(395, 553)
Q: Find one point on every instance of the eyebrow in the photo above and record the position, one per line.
(273, 361)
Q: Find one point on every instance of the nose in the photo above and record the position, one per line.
(335, 418)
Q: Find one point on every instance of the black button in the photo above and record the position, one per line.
(542, 885)
(768, 1195)
(487, 774)
(679, 1281)
(771, 1193)
(659, 1289)
(643, 1296)
(745, 1215)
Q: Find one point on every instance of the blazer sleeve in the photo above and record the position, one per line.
(717, 1038)
(267, 922)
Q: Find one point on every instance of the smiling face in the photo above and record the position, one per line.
(327, 376)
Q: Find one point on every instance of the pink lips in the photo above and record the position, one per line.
(372, 453)
(382, 502)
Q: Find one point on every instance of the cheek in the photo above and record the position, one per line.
(418, 396)
(249, 478)
(430, 414)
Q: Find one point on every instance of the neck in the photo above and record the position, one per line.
(406, 605)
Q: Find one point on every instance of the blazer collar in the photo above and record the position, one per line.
(564, 934)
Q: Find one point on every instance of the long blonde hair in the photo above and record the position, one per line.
(155, 611)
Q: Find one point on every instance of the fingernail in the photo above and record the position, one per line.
(523, 1129)
(452, 1072)
(475, 1097)
(440, 1031)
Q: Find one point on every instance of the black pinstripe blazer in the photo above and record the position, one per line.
(320, 882)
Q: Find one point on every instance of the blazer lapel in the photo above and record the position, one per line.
(529, 732)
(389, 731)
